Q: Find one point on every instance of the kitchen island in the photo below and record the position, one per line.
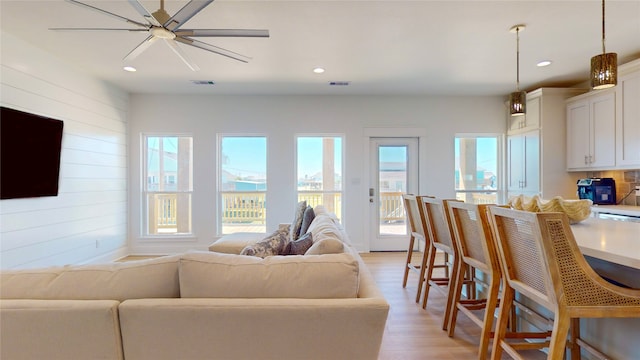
(612, 248)
(617, 242)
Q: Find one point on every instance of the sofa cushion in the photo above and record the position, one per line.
(323, 227)
(300, 246)
(296, 225)
(152, 278)
(271, 245)
(326, 246)
(215, 275)
(234, 243)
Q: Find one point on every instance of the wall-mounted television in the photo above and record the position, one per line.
(30, 148)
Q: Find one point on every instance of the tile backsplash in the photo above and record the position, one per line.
(626, 181)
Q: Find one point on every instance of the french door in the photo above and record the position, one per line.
(393, 172)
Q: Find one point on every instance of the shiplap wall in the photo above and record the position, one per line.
(87, 221)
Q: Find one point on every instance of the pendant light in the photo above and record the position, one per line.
(517, 99)
(604, 67)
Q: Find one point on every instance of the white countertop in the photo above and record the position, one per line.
(617, 209)
(614, 241)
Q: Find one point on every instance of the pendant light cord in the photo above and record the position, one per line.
(518, 58)
(603, 50)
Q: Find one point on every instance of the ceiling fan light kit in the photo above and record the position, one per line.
(517, 99)
(604, 67)
(161, 26)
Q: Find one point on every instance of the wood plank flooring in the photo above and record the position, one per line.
(412, 332)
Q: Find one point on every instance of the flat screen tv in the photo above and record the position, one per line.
(30, 148)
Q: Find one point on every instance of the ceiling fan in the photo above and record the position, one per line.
(161, 26)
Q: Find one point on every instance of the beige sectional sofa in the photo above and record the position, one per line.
(196, 305)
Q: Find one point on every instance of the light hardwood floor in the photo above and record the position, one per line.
(412, 332)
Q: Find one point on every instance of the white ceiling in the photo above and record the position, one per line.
(380, 47)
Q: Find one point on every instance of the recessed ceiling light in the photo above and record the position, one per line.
(543, 63)
(129, 69)
(318, 70)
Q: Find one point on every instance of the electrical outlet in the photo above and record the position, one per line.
(637, 190)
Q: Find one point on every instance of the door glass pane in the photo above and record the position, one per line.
(243, 181)
(392, 175)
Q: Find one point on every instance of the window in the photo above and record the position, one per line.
(243, 184)
(168, 168)
(476, 172)
(319, 171)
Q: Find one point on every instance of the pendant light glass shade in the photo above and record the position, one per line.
(518, 103)
(604, 67)
(517, 99)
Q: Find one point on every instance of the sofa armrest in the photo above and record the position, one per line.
(60, 329)
(253, 328)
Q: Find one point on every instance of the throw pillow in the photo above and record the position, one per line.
(326, 246)
(307, 218)
(297, 220)
(300, 246)
(271, 245)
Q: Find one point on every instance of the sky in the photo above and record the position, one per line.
(246, 156)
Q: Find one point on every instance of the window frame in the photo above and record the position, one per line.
(219, 224)
(144, 192)
(500, 161)
(339, 210)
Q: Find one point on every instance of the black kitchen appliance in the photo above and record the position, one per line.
(601, 191)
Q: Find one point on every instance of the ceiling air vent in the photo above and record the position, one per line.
(203, 82)
(339, 83)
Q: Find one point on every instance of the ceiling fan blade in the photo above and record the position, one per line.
(144, 12)
(95, 29)
(186, 13)
(140, 48)
(182, 55)
(223, 32)
(213, 49)
(104, 12)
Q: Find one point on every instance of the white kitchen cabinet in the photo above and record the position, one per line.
(523, 163)
(528, 121)
(628, 121)
(536, 153)
(591, 132)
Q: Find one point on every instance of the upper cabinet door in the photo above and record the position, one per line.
(591, 132)
(603, 138)
(578, 132)
(628, 121)
(528, 121)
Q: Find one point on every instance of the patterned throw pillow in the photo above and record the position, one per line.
(297, 220)
(300, 246)
(271, 245)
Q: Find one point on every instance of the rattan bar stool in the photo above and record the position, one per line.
(541, 260)
(440, 232)
(415, 216)
(474, 241)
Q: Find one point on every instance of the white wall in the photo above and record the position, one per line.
(87, 221)
(281, 118)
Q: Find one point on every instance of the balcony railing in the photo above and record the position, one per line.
(243, 208)
(247, 210)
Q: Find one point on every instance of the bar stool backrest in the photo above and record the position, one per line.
(438, 222)
(521, 254)
(414, 215)
(474, 237)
